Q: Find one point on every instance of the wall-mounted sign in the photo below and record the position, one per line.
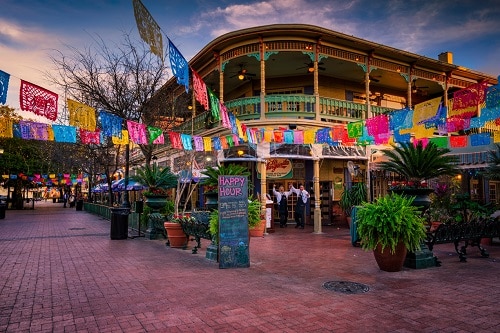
(233, 222)
(278, 168)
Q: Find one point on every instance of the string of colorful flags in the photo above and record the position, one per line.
(473, 107)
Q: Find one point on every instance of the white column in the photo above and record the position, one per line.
(317, 198)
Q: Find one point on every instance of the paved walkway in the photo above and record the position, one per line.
(60, 272)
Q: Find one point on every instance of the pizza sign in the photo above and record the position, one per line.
(279, 168)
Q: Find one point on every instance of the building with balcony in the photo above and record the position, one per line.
(295, 78)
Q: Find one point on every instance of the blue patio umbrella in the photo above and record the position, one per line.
(131, 186)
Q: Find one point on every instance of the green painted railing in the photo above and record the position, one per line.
(286, 106)
(105, 212)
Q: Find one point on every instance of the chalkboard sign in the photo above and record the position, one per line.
(233, 222)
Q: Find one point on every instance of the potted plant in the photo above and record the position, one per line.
(177, 238)
(417, 164)
(256, 219)
(158, 180)
(351, 197)
(390, 226)
(440, 209)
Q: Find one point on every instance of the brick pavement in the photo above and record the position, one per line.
(60, 272)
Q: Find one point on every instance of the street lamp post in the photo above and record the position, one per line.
(126, 201)
(119, 215)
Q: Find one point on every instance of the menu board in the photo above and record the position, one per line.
(233, 222)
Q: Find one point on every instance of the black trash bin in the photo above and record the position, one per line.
(119, 223)
(79, 204)
(3, 208)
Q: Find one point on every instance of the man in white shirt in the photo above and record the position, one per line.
(302, 196)
(281, 199)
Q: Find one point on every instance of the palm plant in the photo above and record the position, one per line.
(492, 171)
(351, 197)
(157, 179)
(417, 163)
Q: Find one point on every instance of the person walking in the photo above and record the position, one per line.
(281, 199)
(302, 196)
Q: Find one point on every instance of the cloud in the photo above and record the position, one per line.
(21, 37)
(222, 20)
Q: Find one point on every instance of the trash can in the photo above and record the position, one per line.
(119, 223)
(79, 204)
(354, 226)
(270, 216)
(3, 208)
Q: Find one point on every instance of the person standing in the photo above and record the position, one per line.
(300, 206)
(65, 198)
(281, 199)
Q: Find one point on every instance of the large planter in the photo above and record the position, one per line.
(258, 231)
(390, 262)
(422, 199)
(212, 200)
(177, 238)
(156, 202)
(155, 218)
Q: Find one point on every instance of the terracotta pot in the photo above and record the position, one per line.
(390, 262)
(485, 241)
(349, 221)
(258, 231)
(434, 226)
(176, 236)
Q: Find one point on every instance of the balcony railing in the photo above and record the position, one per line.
(287, 106)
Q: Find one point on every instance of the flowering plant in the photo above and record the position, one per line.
(155, 191)
(210, 188)
(408, 185)
(186, 219)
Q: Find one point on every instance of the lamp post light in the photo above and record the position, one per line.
(119, 215)
(126, 201)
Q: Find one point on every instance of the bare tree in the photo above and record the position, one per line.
(119, 79)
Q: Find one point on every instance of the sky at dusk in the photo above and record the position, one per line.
(30, 30)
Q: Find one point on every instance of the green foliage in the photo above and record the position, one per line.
(213, 221)
(157, 179)
(353, 196)
(167, 211)
(492, 171)
(464, 209)
(254, 214)
(416, 163)
(389, 220)
(183, 218)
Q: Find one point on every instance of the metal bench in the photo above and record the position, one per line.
(197, 227)
(468, 233)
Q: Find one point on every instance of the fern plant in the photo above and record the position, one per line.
(389, 220)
